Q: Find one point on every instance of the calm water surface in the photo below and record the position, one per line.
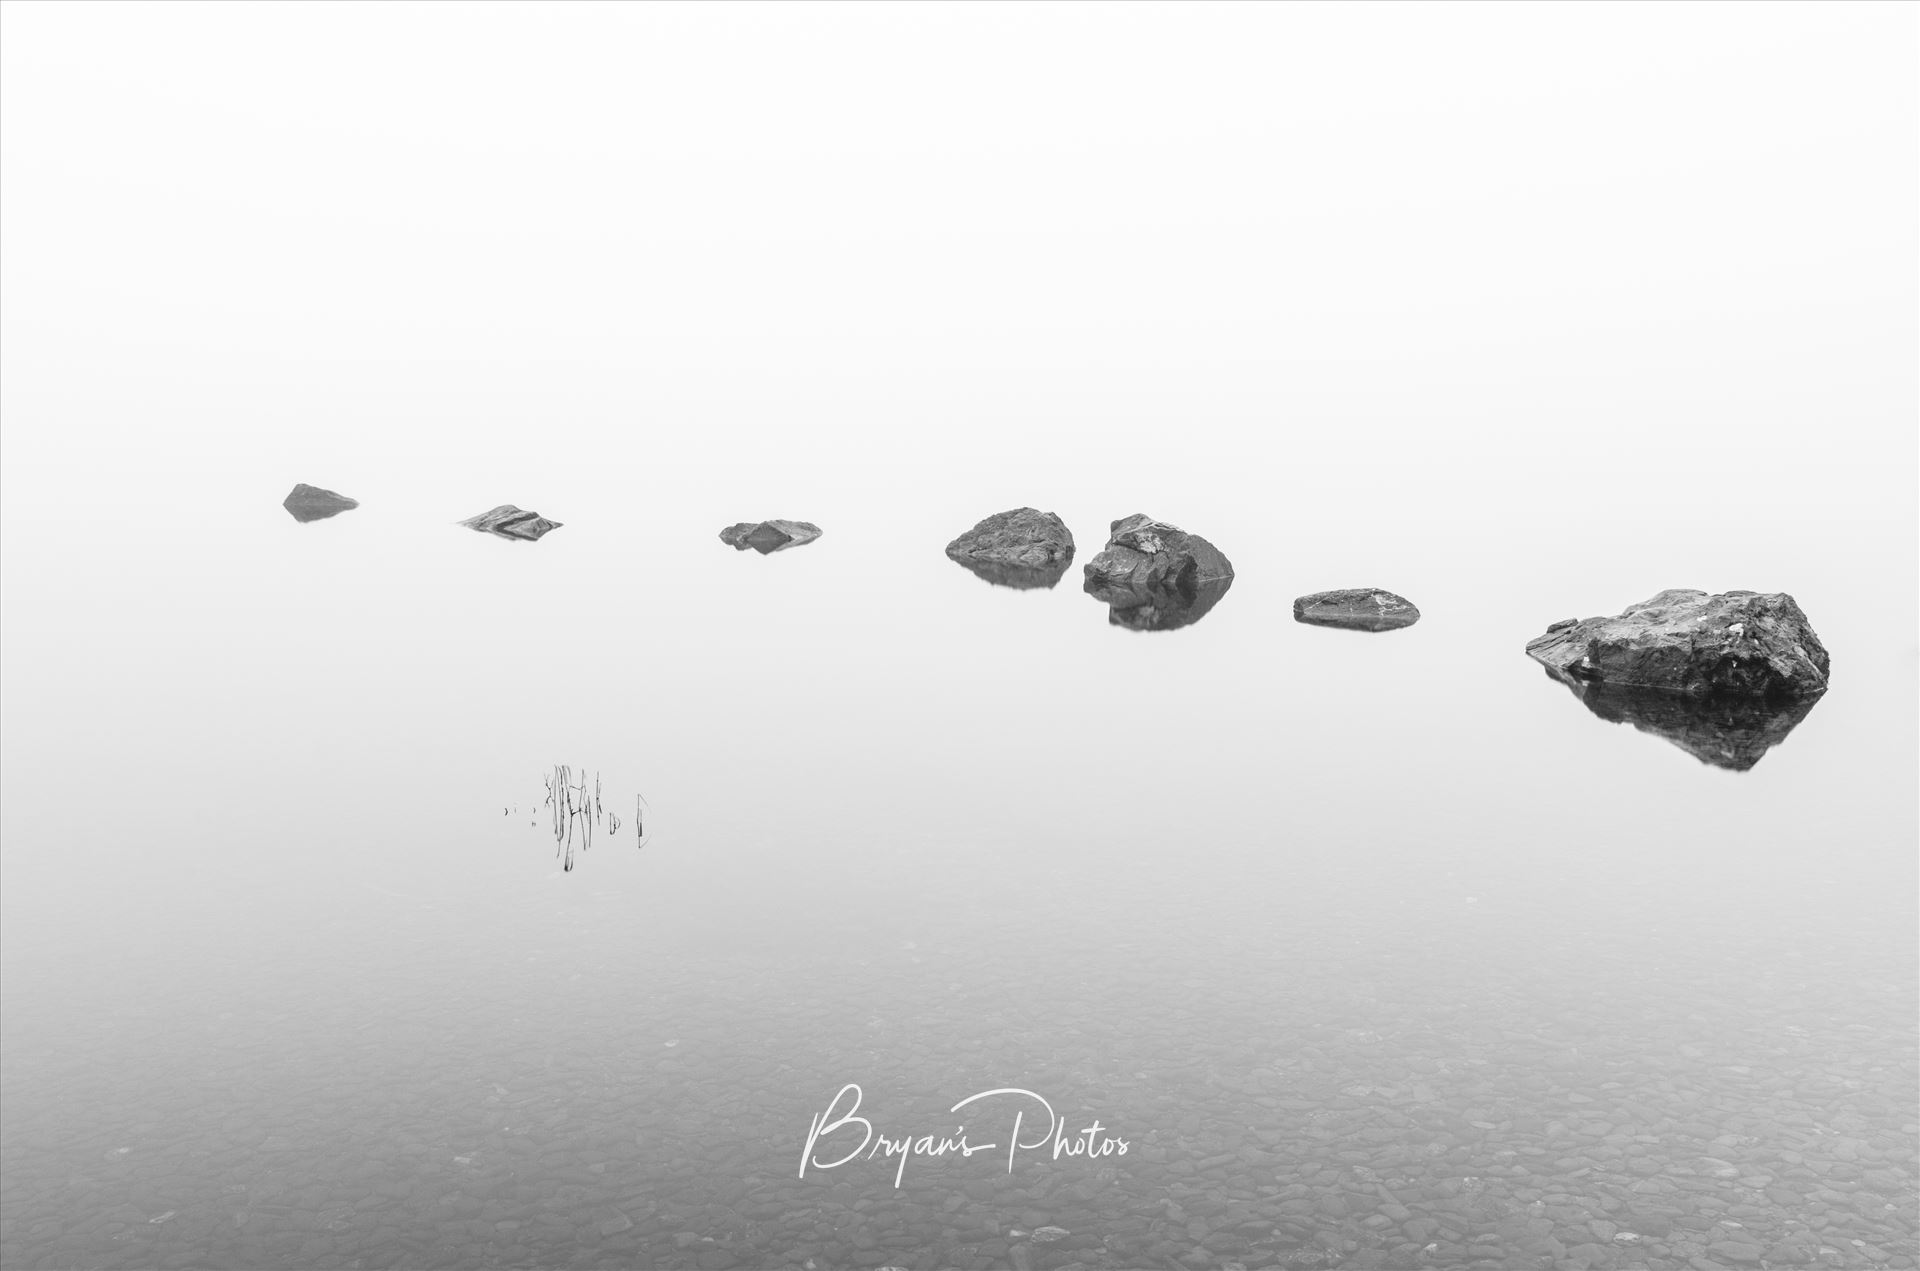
(1374, 950)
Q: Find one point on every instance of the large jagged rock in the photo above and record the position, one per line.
(1684, 641)
(509, 521)
(769, 536)
(1155, 576)
(1727, 729)
(311, 503)
(1356, 609)
(1021, 548)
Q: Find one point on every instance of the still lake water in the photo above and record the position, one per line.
(1377, 950)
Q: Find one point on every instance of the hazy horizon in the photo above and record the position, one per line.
(1366, 943)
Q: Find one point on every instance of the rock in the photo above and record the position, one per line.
(1356, 609)
(1047, 1235)
(311, 503)
(1021, 548)
(509, 521)
(769, 536)
(1156, 576)
(1727, 730)
(1685, 641)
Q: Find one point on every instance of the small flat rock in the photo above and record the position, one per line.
(766, 537)
(311, 503)
(508, 521)
(1356, 609)
(1047, 1235)
(1023, 548)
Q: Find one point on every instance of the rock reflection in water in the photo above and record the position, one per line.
(1176, 602)
(1020, 576)
(1727, 730)
(578, 812)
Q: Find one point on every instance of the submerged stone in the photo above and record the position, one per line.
(1727, 729)
(769, 536)
(509, 521)
(1685, 641)
(311, 503)
(1021, 548)
(1155, 577)
(1356, 609)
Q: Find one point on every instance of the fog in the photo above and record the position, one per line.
(1523, 312)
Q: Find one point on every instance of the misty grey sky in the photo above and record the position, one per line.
(1666, 236)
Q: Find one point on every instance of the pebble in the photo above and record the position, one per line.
(1316, 1149)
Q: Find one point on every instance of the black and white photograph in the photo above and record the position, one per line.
(959, 635)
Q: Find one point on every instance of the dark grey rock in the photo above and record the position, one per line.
(1022, 548)
(1155, 576)
(1686, 641)
(1356, 609)
(769, 536)
(508, 521)
(311, 503)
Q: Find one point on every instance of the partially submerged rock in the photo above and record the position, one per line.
(1021, 548)
(311, 503)
(1356, 609)
(1155, 576)
(1684, 641)
(1725, 729)
(509, 521)
(769, 536)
